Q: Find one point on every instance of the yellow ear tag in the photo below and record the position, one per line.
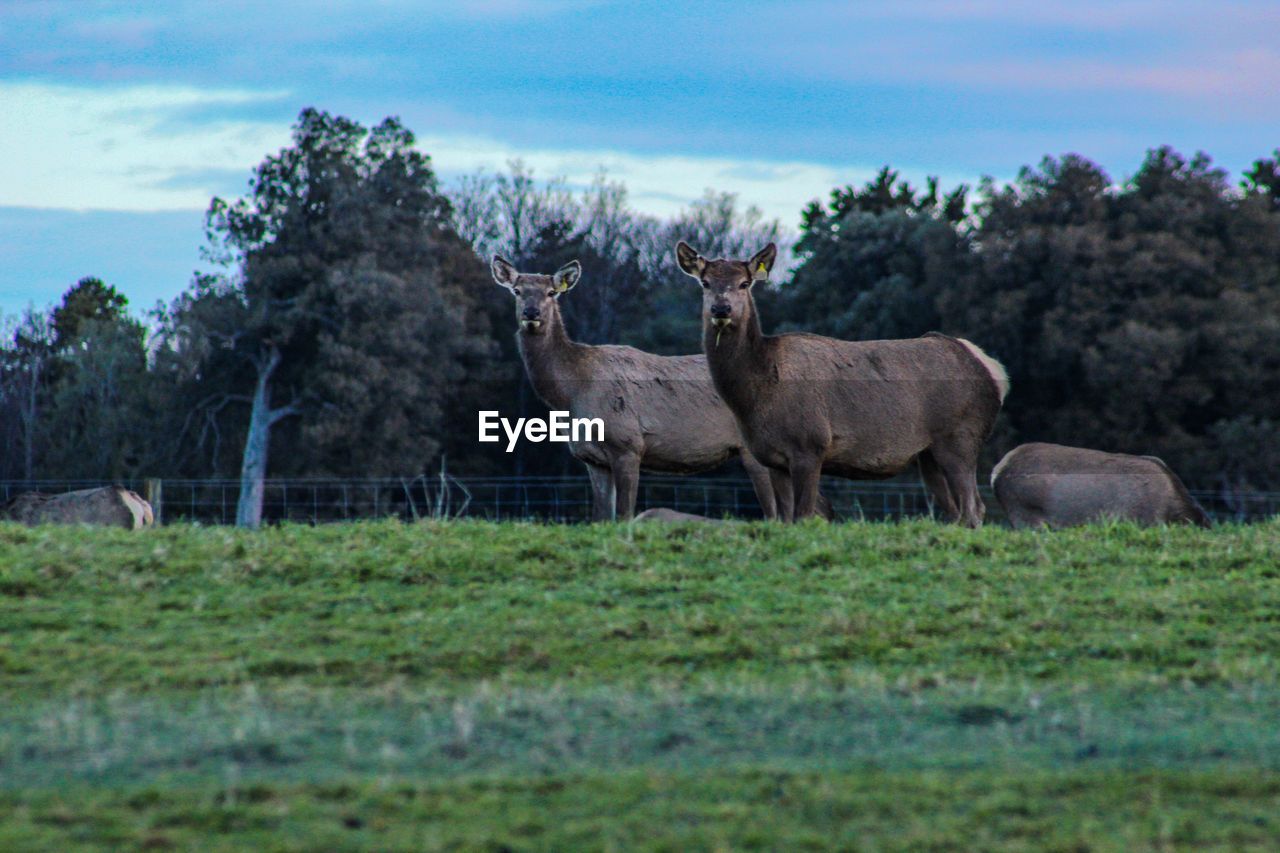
(762, 269)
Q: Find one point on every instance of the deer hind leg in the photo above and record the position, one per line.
(783, 494)
(806, 472)
(762, 482)
(626, 482)
(936, 482)
(603, 494)
(960, 469)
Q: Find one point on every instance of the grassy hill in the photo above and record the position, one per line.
(746, 686)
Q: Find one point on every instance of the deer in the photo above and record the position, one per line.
(114, 506)
(1053, 485)
(808, 405)
(660, 413)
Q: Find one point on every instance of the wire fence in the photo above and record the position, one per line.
(559, 499)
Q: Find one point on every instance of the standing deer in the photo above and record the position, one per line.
(660, 413)
(808, 404)
(1058, 486)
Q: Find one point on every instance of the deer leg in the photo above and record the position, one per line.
(936, 482)
(603, 496)
(961, 472)
(762, 482)
(805, 474)
(626, 481)
(783, 496)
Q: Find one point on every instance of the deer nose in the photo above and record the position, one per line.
(719, 312)
(531, 312)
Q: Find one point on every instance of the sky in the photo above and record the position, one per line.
(119, 121)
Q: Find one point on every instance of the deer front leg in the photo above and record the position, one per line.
(783, 494)
(763, 483)
(626, 481)
(806, 471)
(603, 495)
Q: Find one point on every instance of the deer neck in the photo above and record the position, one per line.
(553, 362)
(738, 358)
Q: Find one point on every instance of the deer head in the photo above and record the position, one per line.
(726, 285)
(535, 294)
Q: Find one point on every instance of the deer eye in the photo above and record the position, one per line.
(744, 285)
(703, 282)
(516, 291)
(551, 293)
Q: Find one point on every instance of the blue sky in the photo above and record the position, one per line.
(121, 120)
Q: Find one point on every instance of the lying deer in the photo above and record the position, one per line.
(114, 506)
(1058, 486)
(809, 405)
(660, 413)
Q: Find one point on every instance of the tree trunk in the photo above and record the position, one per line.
(253, 467)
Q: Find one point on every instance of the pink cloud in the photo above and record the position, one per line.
(1251, 74)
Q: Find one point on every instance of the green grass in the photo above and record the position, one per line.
(751, 686)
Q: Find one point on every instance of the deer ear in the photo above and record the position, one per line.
(689, 260)
(503, 272)
(762, 262)
(566, 277)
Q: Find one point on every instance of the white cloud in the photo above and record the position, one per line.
(138, 149)
(124, 149)
(657, 185)
(147, 149)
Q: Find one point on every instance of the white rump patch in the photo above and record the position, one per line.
(994, 368)
(995, 472)
(140, 509)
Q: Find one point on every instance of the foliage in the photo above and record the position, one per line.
(78, 382)
(1140, 318)
(354, 299)
(1131, 318)
(1140, 315)
(874, 262)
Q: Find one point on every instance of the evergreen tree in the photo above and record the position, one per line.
(351, 319)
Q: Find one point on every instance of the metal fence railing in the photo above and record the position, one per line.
(563, 499)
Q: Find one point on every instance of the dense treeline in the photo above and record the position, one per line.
(355, 330)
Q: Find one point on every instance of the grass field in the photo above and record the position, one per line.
(477, 686)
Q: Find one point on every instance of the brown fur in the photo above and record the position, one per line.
(113, 506)
(809, 405)
(1058, 486)
(660, 413)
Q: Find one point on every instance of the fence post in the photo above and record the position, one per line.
(155, 497)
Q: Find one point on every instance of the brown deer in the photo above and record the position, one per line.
(114, 506)
(809, 405)
(660, 413)
(1053, 485)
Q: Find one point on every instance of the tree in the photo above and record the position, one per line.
(351, 315)
(1137, 318)
(77, 385)
(90, 300)
(25, 369)
(875, 260)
